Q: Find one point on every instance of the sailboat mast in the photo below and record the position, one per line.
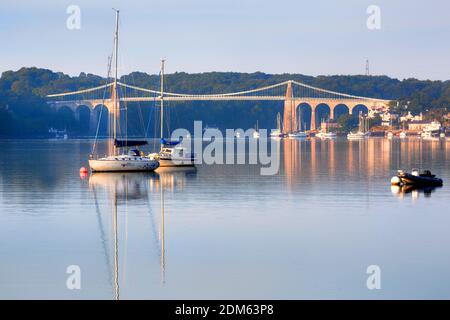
(115, 93)
(162, 98)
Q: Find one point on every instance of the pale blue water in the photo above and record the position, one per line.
(308, 232)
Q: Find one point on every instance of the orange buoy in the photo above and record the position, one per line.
(83, 172)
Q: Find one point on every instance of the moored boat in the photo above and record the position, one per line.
(358, 135)
(426, 178)
(276, 133)
(363, 129)
(297, 135)
(132, 161)
(326, 135)
(172, 155)
(121, 157)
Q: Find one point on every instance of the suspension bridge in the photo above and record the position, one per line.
(294, 94)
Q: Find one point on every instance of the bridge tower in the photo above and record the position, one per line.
(113, 106)
(289, 114)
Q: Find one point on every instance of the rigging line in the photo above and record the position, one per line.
(103, 236)
(150, 113)
(157, 113)
(125, 245)
(123, 133)
(152, 218)
(108, 74)
(141, 118)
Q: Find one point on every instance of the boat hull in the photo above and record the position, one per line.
(409, 179)
(176, 163)
(103, 165)
(298, 135)
(358, 136)
(326, 136)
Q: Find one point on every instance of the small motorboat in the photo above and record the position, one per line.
(326, 135)
(426, 178)
(172, 155)
(298, 135)
(277, 133)
(358, 135)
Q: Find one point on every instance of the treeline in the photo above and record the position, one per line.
(25, 113)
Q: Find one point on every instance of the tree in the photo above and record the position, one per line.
(347, 122)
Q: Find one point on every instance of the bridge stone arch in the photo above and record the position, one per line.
(303, 116)
(339, 109)
(356, 108)
(100, 113)
(83, 115)
(65, 116)
(323, 111)
(80, 107)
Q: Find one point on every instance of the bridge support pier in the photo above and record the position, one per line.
(332, 111)
(313, 118)
(289, 114)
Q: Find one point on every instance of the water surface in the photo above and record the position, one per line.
(225, 231)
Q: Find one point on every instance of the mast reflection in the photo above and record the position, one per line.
(127, 187)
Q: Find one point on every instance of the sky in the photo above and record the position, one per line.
(284, 36)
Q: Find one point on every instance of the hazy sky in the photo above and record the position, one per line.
(277, 36)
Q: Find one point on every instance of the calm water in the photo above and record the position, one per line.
(225, 231)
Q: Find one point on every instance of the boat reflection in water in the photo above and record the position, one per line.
(415, 191)
(122, 188)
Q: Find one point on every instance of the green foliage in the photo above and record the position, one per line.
(25, 113)
(347, 122)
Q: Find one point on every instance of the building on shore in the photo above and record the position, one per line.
(422, 125)
(328, 126)
(410, 117)
(387, 118)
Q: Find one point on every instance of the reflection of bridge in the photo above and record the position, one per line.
(296, 96)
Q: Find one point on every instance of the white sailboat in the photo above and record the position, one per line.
(171, 154)
(256, 132)
(276, 133)
(122, 158)
(363, 130)
(324, 134)
(298, 134)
